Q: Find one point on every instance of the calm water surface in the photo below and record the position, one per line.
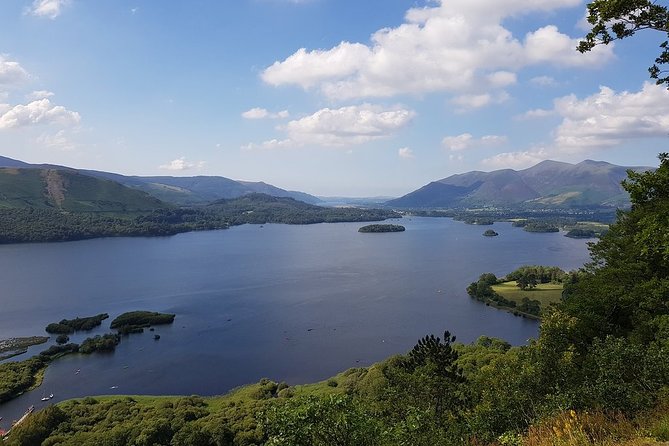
(293, 303)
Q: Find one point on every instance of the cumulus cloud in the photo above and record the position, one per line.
(515, 160)
(405, 153)
(607, 119)
(466, 141)
(37, 112)
(261, 113)
(11, 72)
(455, 46)
(48, 8)
(181, 164)
(352, 125)
(39, 94)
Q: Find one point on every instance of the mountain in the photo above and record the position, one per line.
(180, 190)
(69, 190)
(547, 184)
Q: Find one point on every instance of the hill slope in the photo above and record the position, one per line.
(179, 190)
(547, 184)
(69, 190)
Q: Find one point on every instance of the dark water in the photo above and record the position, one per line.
(293, 303)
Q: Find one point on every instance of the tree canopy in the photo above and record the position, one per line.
(618, 19)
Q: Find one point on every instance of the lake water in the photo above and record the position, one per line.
(292, 303)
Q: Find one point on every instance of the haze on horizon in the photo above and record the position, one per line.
(330, 97)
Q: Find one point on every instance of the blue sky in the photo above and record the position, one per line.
(331, 97)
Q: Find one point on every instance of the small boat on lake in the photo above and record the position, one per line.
(47, 398)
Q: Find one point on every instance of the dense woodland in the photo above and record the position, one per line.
(597, 374)
(382, 228)
(69, 326)
(50, 225)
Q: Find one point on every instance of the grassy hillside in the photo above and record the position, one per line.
(69, 191)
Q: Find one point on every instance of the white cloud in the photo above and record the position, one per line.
(355, 124)
(39, 94)
(502, 79)
(467, 102)
(543, 81)
(11, 72)
(515, 160)
(181, 164)
(37, 112)
(48, 8)
(59, 140)
(455, 46)
(548, 45)
(536, 113)
(352, 125)
(405, 153)
(261, 113)
(270, 145)
(457, 143)
(607, 119)
(466, 141)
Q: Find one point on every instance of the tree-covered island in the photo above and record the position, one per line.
(382, 228)
(137, 321)
(69, 326)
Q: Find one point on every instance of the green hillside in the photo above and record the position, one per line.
(69, 191)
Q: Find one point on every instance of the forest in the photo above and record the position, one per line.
(51, 225)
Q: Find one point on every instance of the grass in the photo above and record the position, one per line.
(599, 429)
(545, 293)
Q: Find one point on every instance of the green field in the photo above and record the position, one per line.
(545, 293)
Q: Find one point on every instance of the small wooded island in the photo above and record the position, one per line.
(382, 228)
(490, 233)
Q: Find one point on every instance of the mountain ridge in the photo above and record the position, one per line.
(549, 183)
(193, 190)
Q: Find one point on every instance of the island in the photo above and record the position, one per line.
(382, 228)
(69, 326)
(137, 321)
(526, 292)
(490, 233)
(540, 226)
(581, 233)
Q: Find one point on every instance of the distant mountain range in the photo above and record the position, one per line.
(549, 184)
(171, 190)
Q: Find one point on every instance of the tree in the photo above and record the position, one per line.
(618, 19)
(624, 290)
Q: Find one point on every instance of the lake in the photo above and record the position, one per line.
(291, 303)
